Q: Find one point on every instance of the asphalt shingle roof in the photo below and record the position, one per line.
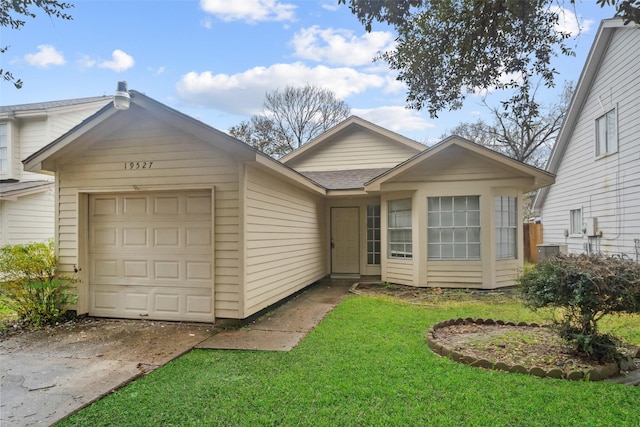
(344, 179)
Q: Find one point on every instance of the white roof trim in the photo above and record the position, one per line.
(538, 175)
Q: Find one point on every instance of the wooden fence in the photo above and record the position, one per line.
(532, 238)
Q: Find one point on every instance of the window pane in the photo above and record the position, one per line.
(433, 219)
(453, 224)
(474, 251)
(473, 219)
(612, 137)
(446, 204)
(447, 251)
(460, 235)
(473, 203)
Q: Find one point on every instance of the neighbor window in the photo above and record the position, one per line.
(606, 133)
(373, 234)
(453, 228)
(4, 148)
(575, 221)
(399, 228)
(506, 227)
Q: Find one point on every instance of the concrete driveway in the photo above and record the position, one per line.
(48, 374)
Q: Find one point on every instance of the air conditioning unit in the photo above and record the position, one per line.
(547, 250)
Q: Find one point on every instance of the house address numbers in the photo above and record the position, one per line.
(138, 165)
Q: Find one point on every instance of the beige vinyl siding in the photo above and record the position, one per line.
(285, 240)
(507, 272)
(33, 136)
(359, 149)
(454, 274)
(179, 162)
(605, 188)
(457, 164)
(398, 271)
(62, 120)
(29, 219)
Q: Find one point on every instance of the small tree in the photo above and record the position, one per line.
(585, 288)
(290, 118)
(30, 284)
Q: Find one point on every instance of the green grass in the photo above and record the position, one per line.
(367, 363)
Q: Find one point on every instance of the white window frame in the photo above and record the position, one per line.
(399, 229)
(506, 214)
(5, 161)
(575, 222)
(607, 133)
(373, 235)
(453, 228)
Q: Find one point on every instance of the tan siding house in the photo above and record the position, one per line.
(594, 205)
(26, 198)
(168, 218)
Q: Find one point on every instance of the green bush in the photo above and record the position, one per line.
(30, 285)
(585, 288)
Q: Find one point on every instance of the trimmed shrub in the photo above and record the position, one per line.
(585, 288)
(30, 285)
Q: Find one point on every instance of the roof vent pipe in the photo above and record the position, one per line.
(121, 99)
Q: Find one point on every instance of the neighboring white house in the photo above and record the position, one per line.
(594, 205)
(26, 198)
(168, 218)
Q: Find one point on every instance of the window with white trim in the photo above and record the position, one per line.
(4, 148)
(607, 133)
(399, 228)
(453, 228)
(373, 234)
(506, 227)
(575, 221)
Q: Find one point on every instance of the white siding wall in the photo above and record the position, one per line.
(29, 219)
(360, 149)
(605, 188)
(33, 136)
(285, 240)
(180, 161)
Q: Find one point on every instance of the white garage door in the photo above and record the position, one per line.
(150, 256)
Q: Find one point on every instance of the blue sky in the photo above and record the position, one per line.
(215, 59)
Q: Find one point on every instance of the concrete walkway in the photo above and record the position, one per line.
(284, 327)
(49, 374)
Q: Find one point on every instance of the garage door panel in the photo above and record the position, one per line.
(157, 303)
(151, 256)
(155, 270)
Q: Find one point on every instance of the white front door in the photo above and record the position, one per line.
(345, 241)
(150, 255)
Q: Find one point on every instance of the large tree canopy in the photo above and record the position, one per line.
(449, 48)
(290, 118)
(13, 13)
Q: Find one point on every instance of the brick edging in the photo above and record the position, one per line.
(596, 374)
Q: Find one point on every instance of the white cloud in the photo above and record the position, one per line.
(340, 47)
(243, 93)
(47, 55)
(332, 7)
(569, 23)
(120, 61)
(207, 23)
(250, 11)
(396, 118)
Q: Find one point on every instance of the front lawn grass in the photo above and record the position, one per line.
(366, 364)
